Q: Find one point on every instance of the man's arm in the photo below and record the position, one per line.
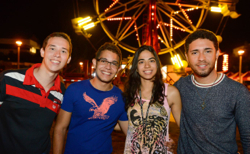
(62, 123)
(242, 115)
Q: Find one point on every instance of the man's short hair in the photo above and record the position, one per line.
(111, 47)
(201, 34)
(58, 34)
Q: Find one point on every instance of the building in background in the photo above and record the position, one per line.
(9, 53)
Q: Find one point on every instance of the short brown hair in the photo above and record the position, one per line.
(111, 47)
(201, 34)
(58, 34)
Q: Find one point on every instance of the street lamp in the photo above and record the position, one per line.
(19, 43)
(240, 52)
(81, 66)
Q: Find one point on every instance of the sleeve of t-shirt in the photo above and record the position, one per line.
(124, 116)
(68, 99)
(242, 114)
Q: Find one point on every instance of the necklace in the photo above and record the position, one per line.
(144, 120)
(203, 105)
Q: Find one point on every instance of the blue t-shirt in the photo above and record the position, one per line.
(94, 115)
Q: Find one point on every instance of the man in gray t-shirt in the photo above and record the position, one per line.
(212, 104)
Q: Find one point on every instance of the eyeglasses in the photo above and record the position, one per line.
(103, 61)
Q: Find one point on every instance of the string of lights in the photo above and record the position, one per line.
(110, 6)
(185, 14)
(175, 27)
(119, 18)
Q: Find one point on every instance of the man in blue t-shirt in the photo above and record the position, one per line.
(91, 108)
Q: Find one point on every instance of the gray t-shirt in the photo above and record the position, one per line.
(213, 129)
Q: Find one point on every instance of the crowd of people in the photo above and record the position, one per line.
(206, 105)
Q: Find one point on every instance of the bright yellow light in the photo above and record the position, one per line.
(179, 59)
(123, 66)
(19, 43)
(33, 50)
(215, 9)
(172, 59)
(81, 63)
(92, 24)
(176, 61)
(84, 21)
(164, 72)
(241, 52)
(164, 68)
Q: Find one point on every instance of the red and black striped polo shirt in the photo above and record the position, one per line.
(27, 111)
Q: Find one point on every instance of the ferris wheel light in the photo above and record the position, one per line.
(123, 30)
(116, 1)
(137, 35)
(119, 18)
(185, 14)
(173, 61)
(215, 9)
(92, 24)
(84, 21)
(178, 57)
(177, 60)
(171, 30)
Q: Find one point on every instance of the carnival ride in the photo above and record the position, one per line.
(159, 23)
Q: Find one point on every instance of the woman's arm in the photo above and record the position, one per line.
(174, 101)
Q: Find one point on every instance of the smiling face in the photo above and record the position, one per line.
(56, 54)
(147, 66)
(106, 66)
(202, 56)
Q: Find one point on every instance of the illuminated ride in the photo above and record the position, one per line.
(150, 22)
(161, 24)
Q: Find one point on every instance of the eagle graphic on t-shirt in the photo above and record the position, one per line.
(100, 111)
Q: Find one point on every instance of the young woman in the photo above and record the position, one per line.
(149, 102)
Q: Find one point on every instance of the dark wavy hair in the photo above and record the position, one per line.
(133, 82)
(201, 34)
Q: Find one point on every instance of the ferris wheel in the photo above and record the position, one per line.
(163, 25)
(159, 23)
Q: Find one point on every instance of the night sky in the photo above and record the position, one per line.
(30, 19)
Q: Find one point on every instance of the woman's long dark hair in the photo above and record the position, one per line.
(134, 81)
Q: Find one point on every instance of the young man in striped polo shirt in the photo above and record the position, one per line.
(31, 98)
